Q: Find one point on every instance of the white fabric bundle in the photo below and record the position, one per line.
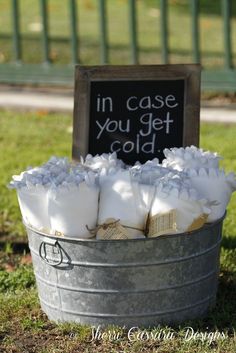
(152, 173)
(124, 200)
(148, 172)
(214, 185)
(32, 191)
(33, 206)
(106, 163)
(73, 208)
(187, 203)
(190, 157)
(54, 171)
(58, 197)
(63, 198)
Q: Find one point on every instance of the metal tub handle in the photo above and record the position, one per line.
(43, 252)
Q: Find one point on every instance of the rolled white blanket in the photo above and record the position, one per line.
(58, 198)
(34, 208)
(124, 200)
(32, 190)
(214, 185)
(176, 209)
(152, 173)
(190, 157)
(106, 163)
(73, 209)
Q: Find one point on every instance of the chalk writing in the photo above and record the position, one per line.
(136, 119)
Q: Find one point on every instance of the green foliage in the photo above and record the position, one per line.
(19, 279)
(8, 248)
(32, 323)
(228, 260)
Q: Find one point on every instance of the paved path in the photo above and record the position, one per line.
(58, 102)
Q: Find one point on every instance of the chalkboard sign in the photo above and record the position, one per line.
(136, 111)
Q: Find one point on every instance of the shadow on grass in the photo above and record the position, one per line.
(229, 242)
(222, 317)
(206, 7)
(20, 247)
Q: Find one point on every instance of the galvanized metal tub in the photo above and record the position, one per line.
(140, 282)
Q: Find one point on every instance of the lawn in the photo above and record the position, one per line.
(148, 24)
(30, 139)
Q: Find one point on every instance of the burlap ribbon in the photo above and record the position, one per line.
(110, 222)
(111, 229)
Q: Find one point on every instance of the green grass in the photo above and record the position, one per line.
(18, 279)
(30, 139)
(27, 139)
(148, 18)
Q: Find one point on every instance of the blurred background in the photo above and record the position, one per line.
(41, 40)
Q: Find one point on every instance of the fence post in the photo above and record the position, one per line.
(45, 39)
(16, 31)
(195, 30)
(133, 32)
(74, 32)
(103, 31)
(226, 7)
(164, 30)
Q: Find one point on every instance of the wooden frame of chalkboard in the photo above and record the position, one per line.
(133, 109)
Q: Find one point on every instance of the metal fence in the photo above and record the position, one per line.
(16, 71)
